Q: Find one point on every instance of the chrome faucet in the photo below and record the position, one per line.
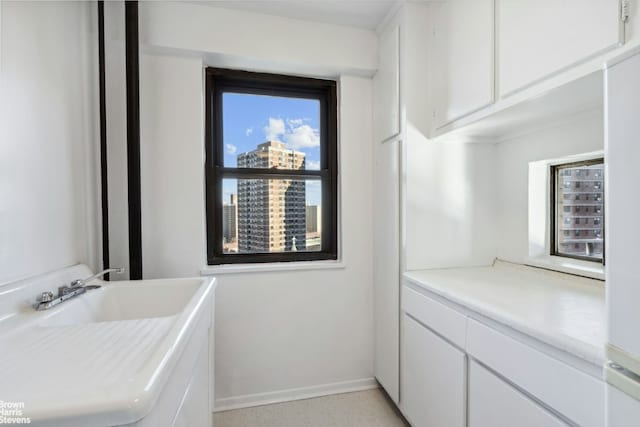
(77, 287)
(83, 282)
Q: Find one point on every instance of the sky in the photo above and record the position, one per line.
(249, 120)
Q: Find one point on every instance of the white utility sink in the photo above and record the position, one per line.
(135, 353)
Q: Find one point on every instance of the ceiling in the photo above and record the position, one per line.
(353, 13)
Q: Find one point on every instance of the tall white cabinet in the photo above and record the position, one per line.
(387, 158)
(622, 150)
(386, 265)
(387, 84)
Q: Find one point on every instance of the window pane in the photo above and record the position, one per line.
(270, 132)
(271, 215)
(580, 211)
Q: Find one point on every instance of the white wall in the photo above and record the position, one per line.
(48, 137)
(450, 208)
(582, 133)
(278, 334)
(172, 165)
(251, 40)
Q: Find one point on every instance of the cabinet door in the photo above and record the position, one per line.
(494, 403)
(462, 58)
(386, 219)
(433, 378)
(537, 38)
(621, 149)
(387, 85)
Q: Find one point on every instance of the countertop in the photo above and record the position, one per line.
(561, 310)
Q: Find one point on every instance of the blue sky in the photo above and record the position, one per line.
(249, 120)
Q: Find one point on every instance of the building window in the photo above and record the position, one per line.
(577, 202)
(271, 168)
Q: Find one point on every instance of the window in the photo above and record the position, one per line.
(271, 168)
(578, 210)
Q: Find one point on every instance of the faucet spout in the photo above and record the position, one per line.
(82, 282)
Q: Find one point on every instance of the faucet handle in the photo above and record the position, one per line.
(46, 297)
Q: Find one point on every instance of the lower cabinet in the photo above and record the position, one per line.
(494, 403)
(457, 371)
(433, 379)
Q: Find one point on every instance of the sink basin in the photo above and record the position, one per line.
(125, 300)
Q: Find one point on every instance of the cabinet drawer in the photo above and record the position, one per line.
(444, 320)
(576, 395)
(494, 403)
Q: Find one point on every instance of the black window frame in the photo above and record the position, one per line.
(553, 229)
(217, 82)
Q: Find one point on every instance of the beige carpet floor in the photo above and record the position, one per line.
(369, 408)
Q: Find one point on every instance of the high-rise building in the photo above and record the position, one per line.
(313, 215)
(271, 212)
(230, 219)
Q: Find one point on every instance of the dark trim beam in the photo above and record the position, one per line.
(104, 184)
(133, 138)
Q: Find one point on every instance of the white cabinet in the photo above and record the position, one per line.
(386, 266)
(494, 403)
(536, 38)
(433, 378)
(387, 85)
(194, 409)
(462, 58)
(576, 395)
(622, 107)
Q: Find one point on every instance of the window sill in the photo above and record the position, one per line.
(570, 266)
(216, 270)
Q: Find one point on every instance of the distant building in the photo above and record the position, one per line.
(313, 214)
(230, 219)
(271, 212)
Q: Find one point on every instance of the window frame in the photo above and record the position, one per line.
(553, 223)
(217, 82)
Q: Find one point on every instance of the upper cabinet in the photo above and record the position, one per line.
(387, 82)
(538, 38)
(487, 56)
(463, 45)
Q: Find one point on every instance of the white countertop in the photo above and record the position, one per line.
(564, 311)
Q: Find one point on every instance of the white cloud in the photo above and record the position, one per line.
(231, 149)
(274, 130)
(293, 132)
(303, 136)
(248, 132)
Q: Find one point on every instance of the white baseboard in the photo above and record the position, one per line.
(258, 399)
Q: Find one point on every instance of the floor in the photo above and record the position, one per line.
(369, 408)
